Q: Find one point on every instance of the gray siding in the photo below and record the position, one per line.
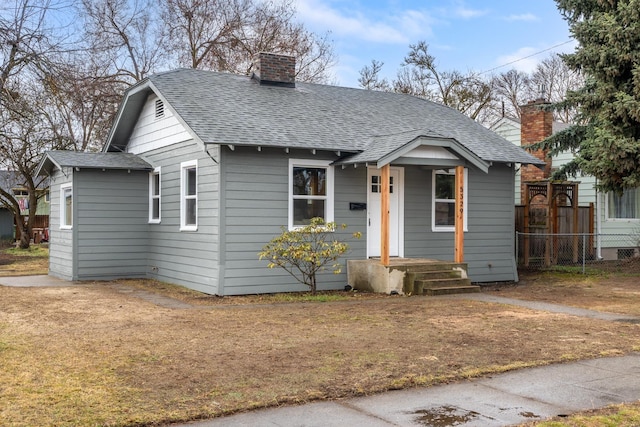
(488, 247)
(111, 210)
(256, 208)
(60, 241)
(188, 258)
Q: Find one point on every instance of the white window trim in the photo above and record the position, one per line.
(330, 193)
(614, 219)
(156, 171)
(63, 224)
(448, 228)
(183, 195)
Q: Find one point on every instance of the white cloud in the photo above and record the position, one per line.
(527, 58)
(400, 28)
(521, 60)
(529, 17)
(467, 13)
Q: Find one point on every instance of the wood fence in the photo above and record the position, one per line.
(548, 241)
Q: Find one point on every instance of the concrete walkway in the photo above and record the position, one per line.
(33, 281)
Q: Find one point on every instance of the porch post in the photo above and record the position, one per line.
(459, 220)
(384, 215)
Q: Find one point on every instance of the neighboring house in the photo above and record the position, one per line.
(13, 181)
(614, 214)
(201, 169)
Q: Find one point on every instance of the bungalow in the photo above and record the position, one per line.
(201, 169)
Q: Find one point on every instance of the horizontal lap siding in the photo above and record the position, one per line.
(111, 223)
(188, 258)
(256, 207)
(60, 241)
(420, 241)
(151, 133)
(488, 242)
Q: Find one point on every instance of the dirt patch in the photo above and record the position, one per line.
(94, 355)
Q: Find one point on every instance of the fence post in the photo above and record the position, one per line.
(517, 254)
(584, 243)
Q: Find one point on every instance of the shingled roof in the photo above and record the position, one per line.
(227, 109)
(59, 159)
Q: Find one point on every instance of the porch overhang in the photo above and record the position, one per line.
(460, 156)
(421, 150)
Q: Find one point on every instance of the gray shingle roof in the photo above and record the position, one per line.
(84, 160)
(223, 108)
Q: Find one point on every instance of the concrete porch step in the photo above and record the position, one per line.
(436, 274)
(445, 286)
(448, 290)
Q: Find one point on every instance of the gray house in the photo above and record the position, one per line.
(201, 169)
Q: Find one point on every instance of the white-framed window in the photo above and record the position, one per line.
(310, 191)
(443, 206)
(189, 195)
(625, 206)
(154, 196)
(66, 206)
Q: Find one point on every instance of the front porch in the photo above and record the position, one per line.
(410, 276)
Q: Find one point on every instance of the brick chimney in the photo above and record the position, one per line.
(275, 70)
(535, 125)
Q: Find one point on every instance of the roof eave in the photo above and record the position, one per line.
(449, 144)
(42, 166)
(138, 93)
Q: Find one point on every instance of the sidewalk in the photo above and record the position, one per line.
(501, 400)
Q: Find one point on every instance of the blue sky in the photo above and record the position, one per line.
(464, 35)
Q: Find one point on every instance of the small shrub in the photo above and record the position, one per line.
(306, 250)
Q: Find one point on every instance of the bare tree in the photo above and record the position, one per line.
(511, 90)
(124, 37)
(227, 36)
(84, 101)
(551, 80)
(29, 49)
(420, 76)
(370, 77)
(201, 30)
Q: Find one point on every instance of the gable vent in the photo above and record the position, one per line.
(159, 109)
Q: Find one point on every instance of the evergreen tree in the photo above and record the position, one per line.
(606, 137)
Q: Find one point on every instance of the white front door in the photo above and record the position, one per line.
(396, 214)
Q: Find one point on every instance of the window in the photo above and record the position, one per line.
(189, 196)
(625, 206)
(154, 196)
(310, 191)
(444, 200)
(66, 206)
(376, 184)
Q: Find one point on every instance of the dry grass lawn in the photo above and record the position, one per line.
(102, 354)
(21, 262)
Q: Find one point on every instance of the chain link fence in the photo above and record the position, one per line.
(584, 253)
